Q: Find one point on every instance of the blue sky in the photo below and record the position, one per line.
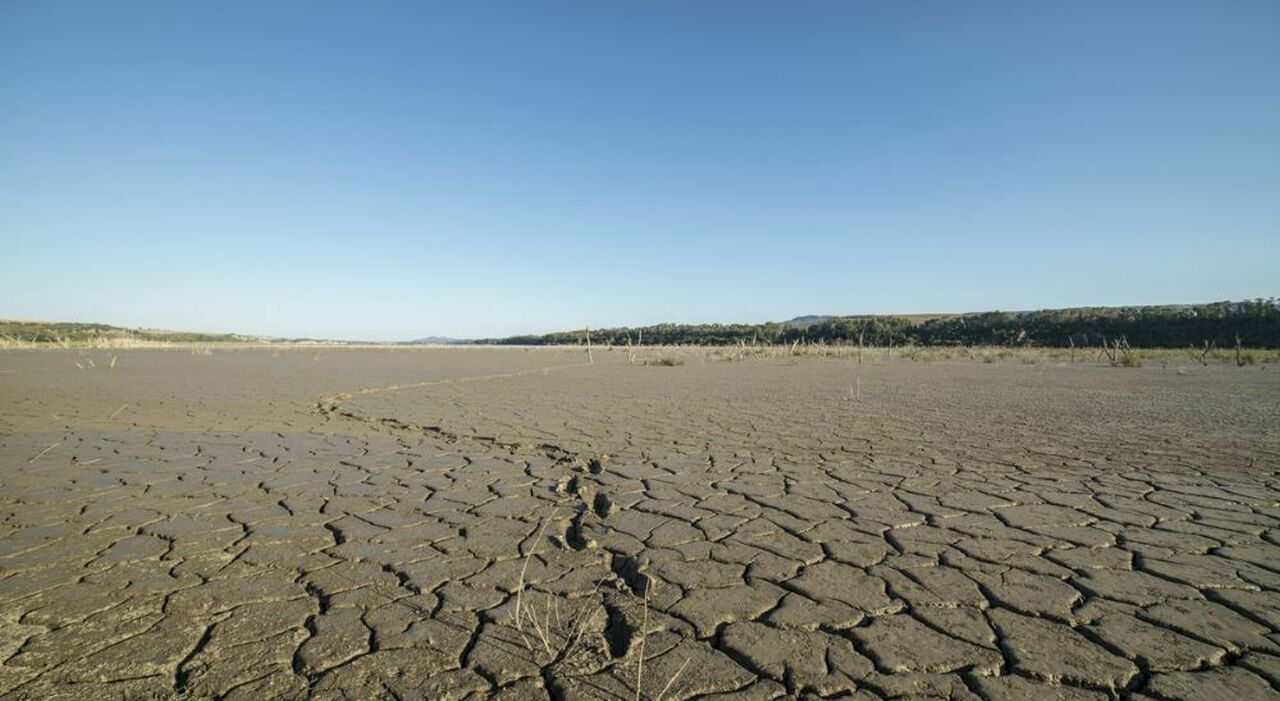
(387, 170)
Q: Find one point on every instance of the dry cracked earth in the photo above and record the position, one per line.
(520, 524)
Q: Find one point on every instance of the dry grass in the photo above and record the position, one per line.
(559, 635)
(1021, 355)
(100, 342)
(524, 569)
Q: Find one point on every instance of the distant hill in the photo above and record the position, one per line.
(438, 341)
(73, 333)
(76, 334)
(804, 322)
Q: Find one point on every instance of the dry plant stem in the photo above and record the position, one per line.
(673, 679)
(644, 633)
(37, 457)
(539, 630)
(117, 411)
(525, 568)
(546, 613)
(579, 623)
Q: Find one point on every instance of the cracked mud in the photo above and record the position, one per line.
(449, 524)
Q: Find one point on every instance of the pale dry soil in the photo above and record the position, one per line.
(520, 524)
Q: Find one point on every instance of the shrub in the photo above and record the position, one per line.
(1129, 360)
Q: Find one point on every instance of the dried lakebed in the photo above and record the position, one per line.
(432, 524)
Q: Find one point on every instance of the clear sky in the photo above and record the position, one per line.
(388, 170)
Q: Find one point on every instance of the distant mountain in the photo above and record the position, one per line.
(438, 341)
(804, 322)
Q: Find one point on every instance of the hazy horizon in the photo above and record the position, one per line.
(386, 173)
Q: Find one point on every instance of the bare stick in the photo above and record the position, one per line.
(117, 411)
(1208, 347)
(37, 457)
(589, 358)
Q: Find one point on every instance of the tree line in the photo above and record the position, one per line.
(1252, 323)
(73, 332)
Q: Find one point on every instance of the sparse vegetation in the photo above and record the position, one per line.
(1129, 360)
(33, 334)
(987, 355)
(560, 630)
